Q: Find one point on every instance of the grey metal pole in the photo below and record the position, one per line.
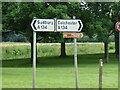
(55, 24)
(75, 60)
(75, 63)
(119, 62)
(119, 47)
(34, 59)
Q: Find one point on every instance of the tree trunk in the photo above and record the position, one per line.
(63, 51)
(117, 39)
(116, 43)
(106, 52)
(31, 43)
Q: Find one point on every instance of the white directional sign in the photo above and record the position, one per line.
(69, 25)
(43, 25)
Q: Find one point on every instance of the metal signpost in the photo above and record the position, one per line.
(75, 36)
(75, 62)
(34, 59)
(117, 27)
(74, 25)
(75, 54)
(46, 25)
(61, 25)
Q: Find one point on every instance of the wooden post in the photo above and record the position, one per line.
(100, 74)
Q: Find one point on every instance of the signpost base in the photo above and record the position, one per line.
(34, 59)
(75, 63)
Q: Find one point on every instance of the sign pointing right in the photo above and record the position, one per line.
(73, 35)
(69, 25)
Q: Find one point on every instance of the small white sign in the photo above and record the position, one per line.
(43, 25)
(69, 25)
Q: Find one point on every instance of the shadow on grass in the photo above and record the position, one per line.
(56, 61)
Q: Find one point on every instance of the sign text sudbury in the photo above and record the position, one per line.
(43, 25)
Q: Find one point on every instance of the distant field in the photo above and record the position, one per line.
(56, 72)
(6, 44)
(23, 50)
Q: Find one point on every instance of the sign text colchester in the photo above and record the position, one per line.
(69, 25)
(62, 25)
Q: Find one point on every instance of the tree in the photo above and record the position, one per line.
(103, 29)
(116, 17)
(101, 25)
(18, 16)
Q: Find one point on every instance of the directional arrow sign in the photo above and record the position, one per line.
(43, 25)
(73, 35)
(69, 25)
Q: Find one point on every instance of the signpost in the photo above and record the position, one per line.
(74, 35)
(69, 25)
(34, 59)
(43, 25)
(117, 27)
(62, 25)
(75, 62)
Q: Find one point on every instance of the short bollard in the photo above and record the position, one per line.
(100, 74)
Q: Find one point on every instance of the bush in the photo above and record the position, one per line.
(111, 46)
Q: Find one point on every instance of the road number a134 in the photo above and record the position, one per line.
(62, 27)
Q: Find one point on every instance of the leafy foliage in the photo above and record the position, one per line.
(18, 16)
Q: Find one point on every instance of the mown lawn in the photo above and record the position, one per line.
(56, 72)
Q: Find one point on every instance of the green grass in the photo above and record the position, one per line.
(56, 72)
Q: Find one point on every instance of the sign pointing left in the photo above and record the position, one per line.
(44, 25)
